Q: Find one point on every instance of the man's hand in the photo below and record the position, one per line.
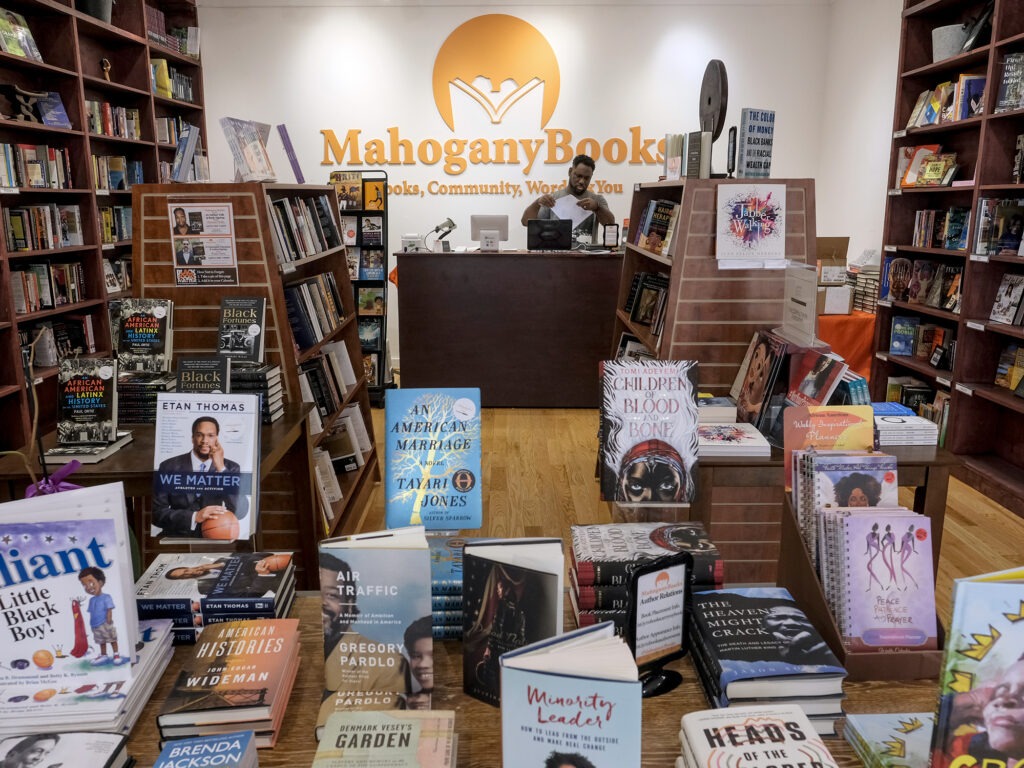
(211, 512)
(217, 455)
(546, 200)
(588, 204)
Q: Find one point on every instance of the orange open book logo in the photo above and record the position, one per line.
(497, 48)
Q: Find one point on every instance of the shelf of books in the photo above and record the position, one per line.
(85, 123)
(953, 275)
(279, 245)
(363, 197)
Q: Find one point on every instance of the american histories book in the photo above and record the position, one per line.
(402, 738)
(240, 328)
(890, 740)
(238, 672)
(144, 334)
(206, 466)
(571, 698)
(432, 469)
(648, 434)
(230, 750)
(981, 674)
(512, 596)
(69, 609)
(378, 642)
(762, 736)
(607, 553)
(778, 653)
(86, 400)
(103, 750)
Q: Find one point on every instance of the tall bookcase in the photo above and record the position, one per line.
(260, 273)
(710, 317)
(84, 60)
(985, 421)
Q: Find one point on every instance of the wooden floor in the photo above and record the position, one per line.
(539, 479)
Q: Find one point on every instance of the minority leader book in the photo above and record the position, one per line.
(432, 458)
(649, 418)
(191, 430)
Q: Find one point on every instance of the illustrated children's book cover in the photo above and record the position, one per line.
(432, 468)
(649, 421)
(206, 466)
(68, 622)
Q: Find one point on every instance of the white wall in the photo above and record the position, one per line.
(827, 69)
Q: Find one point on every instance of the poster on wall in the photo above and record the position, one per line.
(751, 226)
(203, 242)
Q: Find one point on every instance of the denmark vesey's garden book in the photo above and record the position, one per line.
(400, 738)
(432, 458)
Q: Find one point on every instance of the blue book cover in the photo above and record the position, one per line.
(432, 458)
(901, 340)
(52, 112)
(574, 699)
(371, 264)
(229, 749)
(446, 564)
(891, 408)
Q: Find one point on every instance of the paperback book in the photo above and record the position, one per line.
(210, 374)
(892, 740)
(400, 738)
(103, 750)
(825, 427)
(206, 466)
(764, 363)
(86, 401)
(512, 596)
(144, 334)
(230, 750)
(648, 444)
(432, 469)
(241, 328)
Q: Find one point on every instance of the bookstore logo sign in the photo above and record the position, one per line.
(497, 48)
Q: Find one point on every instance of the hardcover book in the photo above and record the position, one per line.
(144, 334)
(104, 750)
(765, 363)
(753, 737)
(446, 564)
(751, 222)
(893, 740)
(608, 553)
(400, 738)
(349, 186)
(432, 469)
(981, 673)
(371, 264)
(571, 698)
(378, 642)
(239, 671)
(86, 400)
(241, 328)
(512, 596)
(648, 445)
(1008, 298)
(206, 466)
(779, 654)
(813, 376)
(902, 335)
(230, 750)
(209, 374)
(739, 439)
(754, 143)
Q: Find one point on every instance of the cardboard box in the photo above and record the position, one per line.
(835, 300)
(831, 253)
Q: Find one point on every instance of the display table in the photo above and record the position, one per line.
(478, 724)
(528, 328)
(850, 336)
(286, 517)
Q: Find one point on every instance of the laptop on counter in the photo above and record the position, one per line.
(549, 235)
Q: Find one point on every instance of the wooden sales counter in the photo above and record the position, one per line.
(527, 327)
(479, 725)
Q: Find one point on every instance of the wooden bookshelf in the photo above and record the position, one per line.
(74, 47)
(985, 421)
(261, 272)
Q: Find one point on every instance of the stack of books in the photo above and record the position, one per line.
(197, 590)
(755, 646)
(715, 410)
(237, 749)
(906, 430)
(604, 556)
(892, 739)
(136, 395)
(239, 678)
(737, 439)
(446, 584)
(264, 380)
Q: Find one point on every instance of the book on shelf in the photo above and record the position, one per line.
(648, 443)
(608, 553)
(765, 735)
(235, 750)
(715, 409)
(1010, 366)
(512, 596)
(432, 470)
(37, 747)
(921, 278)
(374, 194)
(698, 155)
(87, 454)
(970, 96)
(814, 375)
(781, 654)
(16, 36)
(656, 225)
(981, 673)
(371, 264)
(375, 590)
(763, 364)
(240, 672)
(754, 143)
(914, 158)
(370, 332)
(675, 144)
(203, 373)
(902, 335)
(241, 328)
(349, 186)
(206, 466)
(937, 170)
(890, 740)
(576, 696)
(1006, 308)
(1011, 84)
(400, 738)
(341, 448)
(736, 439)
(247, 141)
(86, 401)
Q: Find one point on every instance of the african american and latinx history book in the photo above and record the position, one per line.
(648, 445)
(577, 695)
(68, 618)
(406, 738)
(378, 642)
(512, 596)
(206, 466)
(144, 334)
(86, 400)
(241, 327)
(432, 468)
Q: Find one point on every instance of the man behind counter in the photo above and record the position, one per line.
(580, 174)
